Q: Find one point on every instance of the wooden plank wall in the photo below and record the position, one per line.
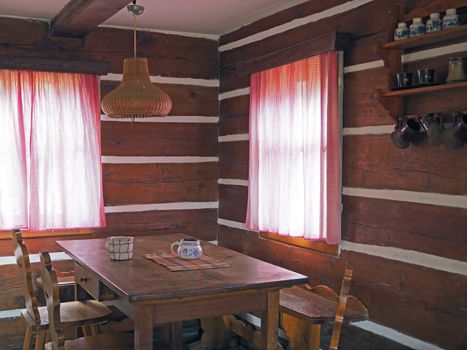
(160, 175)
(409, 253)
(419, 297)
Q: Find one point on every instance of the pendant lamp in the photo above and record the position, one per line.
(136, 96)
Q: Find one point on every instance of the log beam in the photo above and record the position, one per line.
(79, 17)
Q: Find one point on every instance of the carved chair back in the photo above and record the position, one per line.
(344, 293)
(52, 298)
(22, 260)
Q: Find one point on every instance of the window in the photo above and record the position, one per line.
(50, 151)
(295, 147)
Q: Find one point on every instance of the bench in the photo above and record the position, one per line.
(302, 311)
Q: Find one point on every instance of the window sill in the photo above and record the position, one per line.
(42, 234)
(318, 246)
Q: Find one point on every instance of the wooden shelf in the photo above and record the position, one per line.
(416, 101)
(425, 89)
(428, 39)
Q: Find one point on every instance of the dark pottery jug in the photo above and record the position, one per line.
(406, 131)
(404, 79)
(455, 136)
(433, 124)
(426, 76)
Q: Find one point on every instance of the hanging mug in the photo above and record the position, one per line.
(455, 136)
(405, 132)
(433, 124)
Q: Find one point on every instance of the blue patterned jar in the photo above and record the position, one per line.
(434, 23)
(401, 32)
(417, 27)
(451, 19)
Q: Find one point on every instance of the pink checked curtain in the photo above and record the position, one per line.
(50, 174)
(294, 174)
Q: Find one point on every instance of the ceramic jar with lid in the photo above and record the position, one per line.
(401, 32)
(417, 27)
(451, 19)
(434, 23)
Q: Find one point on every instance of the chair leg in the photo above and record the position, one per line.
(27, 339)
(86, 331)
(94, 329)
(40, 341)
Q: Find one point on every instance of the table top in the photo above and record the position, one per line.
(141, 279)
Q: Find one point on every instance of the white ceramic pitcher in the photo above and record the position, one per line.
(187, 248)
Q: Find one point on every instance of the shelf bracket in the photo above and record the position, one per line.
(393, 105)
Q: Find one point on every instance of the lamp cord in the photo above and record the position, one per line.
(134, 50)
(134, 35)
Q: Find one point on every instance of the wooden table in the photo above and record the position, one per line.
(152, 295)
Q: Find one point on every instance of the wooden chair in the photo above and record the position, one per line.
(116, 341)
(299, 313)
(343, 296)
(65, 279)
(85, 314)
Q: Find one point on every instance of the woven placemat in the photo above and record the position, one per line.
(174, 263)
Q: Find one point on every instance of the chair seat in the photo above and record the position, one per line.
(122, 341)
(72, 314)
(316, 308)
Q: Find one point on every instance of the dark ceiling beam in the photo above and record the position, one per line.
(54, 65)
(79, 17)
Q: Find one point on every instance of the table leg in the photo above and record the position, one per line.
(171, 335)
(314, 332)
(216, 334)
(143, 327)
(270, 321)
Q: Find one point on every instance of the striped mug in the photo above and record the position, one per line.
(120, 247)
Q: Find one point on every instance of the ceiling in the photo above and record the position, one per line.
(213, 17)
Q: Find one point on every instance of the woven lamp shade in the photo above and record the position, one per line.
(136, 96)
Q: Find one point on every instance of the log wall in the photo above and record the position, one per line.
(159, 174)
(404, 218)
(405, 212)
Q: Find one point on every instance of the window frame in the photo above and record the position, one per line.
(318, 246)
(4, 234)
(80, 85)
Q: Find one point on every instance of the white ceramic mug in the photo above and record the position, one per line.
(120, 247)
(187, 248)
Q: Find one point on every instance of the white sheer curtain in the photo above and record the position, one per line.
(52, 127)
(294, 174)
(13, 150)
